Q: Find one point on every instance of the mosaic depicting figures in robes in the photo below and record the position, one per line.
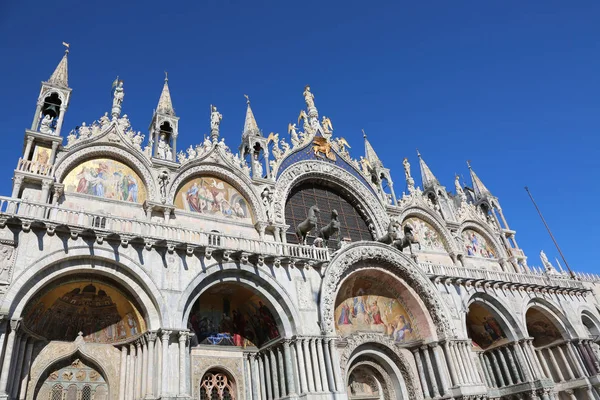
(425, 234)
(106, 178)
(483, 328)
(476, 245)
(365, 304)
(541, 328)
(212, 196)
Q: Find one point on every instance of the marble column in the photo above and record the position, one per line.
(144, 366)
(123, 373)
(462, 373)
(18, 367)
(498, 373)
(500, 355)
(130, 372)
(561, 353)
(593, 357)
(310, 353)
(432, 381)
(337, 371)
(8, 355)
(247, 375)
(589, 394)
(534, 361)
(138, 370)
(150, 337)
(13, 364)
(26, 367)
(571, 394)
(159, 368)
(255, 376)
(490, 371)
(513, 365)
(267, 378)
(328, 365)
(527, 357)
(282, 386)
(578, 362)
(164, 337)
(468, 362)
(289, 369)
(321, 358)
(557, 369)
(421, 372)
(183, 336)
(301, 366)
(274, 374)
(544, 363)
(263, 372)
(521, 362)
(451, 364)
(586, 357)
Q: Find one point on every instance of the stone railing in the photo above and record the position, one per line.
(34, 167)
(151, 232)
(500, 277)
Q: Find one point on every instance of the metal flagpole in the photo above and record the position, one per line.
(551, 235)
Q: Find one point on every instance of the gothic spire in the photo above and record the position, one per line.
(370, 154)
(165, 106)
(478, 186)
(428, 179)
(250, 125)
(60, 76)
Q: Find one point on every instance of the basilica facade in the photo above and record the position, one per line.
(288, 269)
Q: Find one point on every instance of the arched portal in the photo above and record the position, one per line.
(541, 327)
(485, 327)
(72, 379)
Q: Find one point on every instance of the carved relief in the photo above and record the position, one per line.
(304, 294)
(7, 259)
(231, 365)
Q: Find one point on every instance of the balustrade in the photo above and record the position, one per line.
(34, 167)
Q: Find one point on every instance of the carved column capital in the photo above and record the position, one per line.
(151, 336)
(14, 324)
(165, 335)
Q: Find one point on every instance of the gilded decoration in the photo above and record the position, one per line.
(541, 328)
(215, 197)
(476, 245)
(101, 312)
(372, 304)
(483, 328)
(106, 178)
(425, 234)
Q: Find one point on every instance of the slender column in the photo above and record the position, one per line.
(527, 358)
(522, 362)
(571, 394)
(451, 364)
(490, 371)
(432, 380)
(592, 355)
(138, 369)
(497, 371)
(315, 360)
(183, 336)
(309, 370)
(262, 372)
(566, 363)
(164, 337)
(505, 369)
(586, 357)
(467, 362)
(26, 366)
(28, 148)
(267, 378)
(159, 361)
(319, 344)
(274, 374)
(151, 337)
(589, 394)
(544, 363)
(513, 365)
(144, 366)
(282, 387)
(328, 365)
(61, 117)
(301, 366)
(18, 367)
(576, 360)
(10, 343)
(130, 371)
(247, 375)
(486, 375)
(421, 373)
(461, 368)
(123, 373)
(289, 369)
(15, 358)
(255, 377)
(534, 362)
(557, 369)
(335, 361)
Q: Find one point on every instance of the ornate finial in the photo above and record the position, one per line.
(418, 154)
(166, 76)
(247, 99)
(67, 45)
(364, 134)
(469, 164)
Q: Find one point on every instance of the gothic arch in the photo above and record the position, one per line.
(553, 313)
(55, 265)
(434, 220)
(103, 357)
(506, 319)
(245, 275)
(311, 169)
(128, 156)
(357, 256)
(241, 183)
(486, 233)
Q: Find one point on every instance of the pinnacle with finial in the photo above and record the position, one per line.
(165, 105)
(370, 154)
(250, 125)
(428, 179)
(478, 187)
(60, 76)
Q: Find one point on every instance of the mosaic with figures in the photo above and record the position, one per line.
(214, 197)
(483, 328)
(368, 304)
(106, 178)
(476, 245)
(425, 234)
(541, 328)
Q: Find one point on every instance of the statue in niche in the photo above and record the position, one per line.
(163, 179)
(46, 125)
(163, 150)
(330, 229)
(215, 118)
(304, 227)
(309, 98)
(267, 199)
(258, 168)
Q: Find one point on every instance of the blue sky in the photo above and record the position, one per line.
(512, 86)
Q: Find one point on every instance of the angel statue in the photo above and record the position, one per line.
(304, 118)
(459, 190)
(274, 137)
(365, 165)
(327, 127)
(46, 125)
(284, 146)
(309, 97)
(342, 144)
(294, 135)
(191, 153)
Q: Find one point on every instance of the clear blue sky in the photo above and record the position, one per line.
(512, 86)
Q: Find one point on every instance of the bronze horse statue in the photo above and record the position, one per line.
(330, 229)
(392, 233)
(407, 240)
(304, 227)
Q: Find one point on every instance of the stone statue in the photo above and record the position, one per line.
(46, 125)
(342, 144)
(459, 190)
(284, 146)
(547, 264)
(267, 199)
(138, 139)
(191, 153)
(365, 165)
(327, 127)
(330, 229)
(258, 168)
(104, 120)
(304, 227)
(292, 131)
(163, 150)
(118, 96)
(181, 158)
(309, 98)
(163, 179)
(406, 168)
(215, 118)
(84, 131)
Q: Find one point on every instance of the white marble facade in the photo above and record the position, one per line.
(125, 275)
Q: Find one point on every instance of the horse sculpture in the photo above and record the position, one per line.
(407, 240)
(330, 229)
(304, 227)
(392, 233)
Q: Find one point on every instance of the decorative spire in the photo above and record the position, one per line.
(478, 186)
(429, 180)
(60, 76)
(370, 154)
(250, 125)
(165, 106)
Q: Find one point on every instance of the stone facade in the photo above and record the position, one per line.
(130, 271)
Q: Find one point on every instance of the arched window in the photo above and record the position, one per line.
(353, 226)
(86, 393)
(57, 392)
(217, 385)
